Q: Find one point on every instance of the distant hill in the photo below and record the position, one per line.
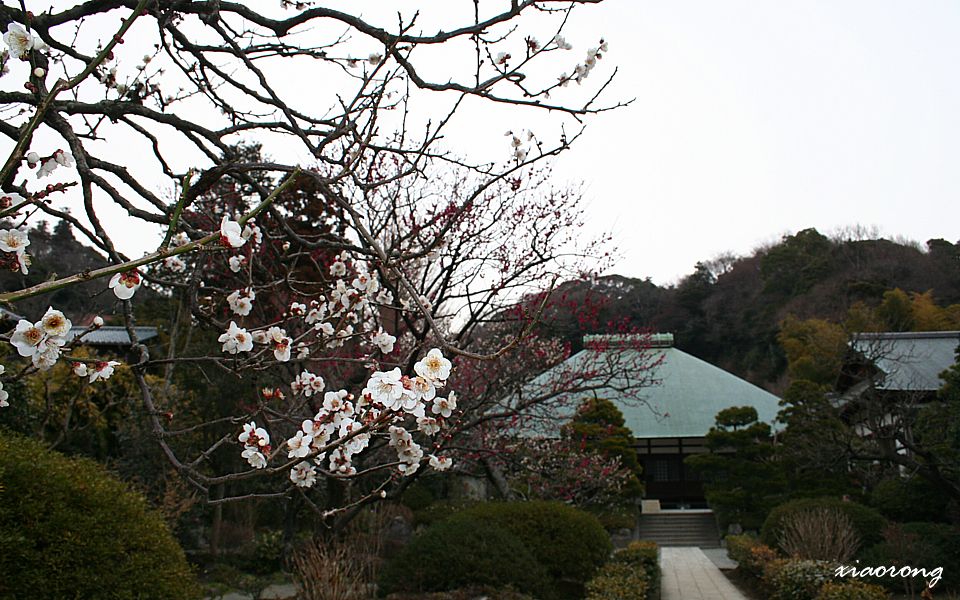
(728, 310)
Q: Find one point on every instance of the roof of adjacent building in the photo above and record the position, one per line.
(110, 335)
(909, 361)
(685, 394)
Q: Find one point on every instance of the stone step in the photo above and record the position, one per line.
(678, 529)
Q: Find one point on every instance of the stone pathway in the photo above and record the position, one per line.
(689, 575)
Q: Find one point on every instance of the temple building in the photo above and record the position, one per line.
(669, 400)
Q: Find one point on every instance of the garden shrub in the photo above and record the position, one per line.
(738, 546)
(618, 581)
(801, 579)
(910, 500)
(68, 529)
(852, 590)
(919, 545)
(461, 552)
(770, 573)
(569, 543)
(819, 534)
(867, 522)
(645, 556)
(751, 555)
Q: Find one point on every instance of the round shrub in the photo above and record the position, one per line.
(69, 529)
(852, 590)
(867, 522)
(569, 543)
(457, 553)
(909, 500)
(801, 579)
(758, 559)
(617, 581)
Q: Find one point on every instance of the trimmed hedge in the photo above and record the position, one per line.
(618, 581)
(751, 555)
(68, 529)
(800, 579)
(866, 521)
(645, 557)
(852, 590)
(569, 543)
(459, 553)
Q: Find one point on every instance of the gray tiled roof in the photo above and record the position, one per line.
(110, 335)
(909, 361)
(686, 395)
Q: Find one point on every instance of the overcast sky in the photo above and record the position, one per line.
(750, 120)
(753, 119)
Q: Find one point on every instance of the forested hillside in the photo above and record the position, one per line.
(729, 310)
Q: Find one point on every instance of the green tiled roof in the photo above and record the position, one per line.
(684, 398)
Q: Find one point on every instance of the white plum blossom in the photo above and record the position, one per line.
(385, 387)
(236, 339)
(47, 168)
(338, 269)
(252, 231)
(80, 369)
(23, 261)
(428, 425)
(18, 40)
(440, 463)
(409, 452)
(236, 263)
(562, 43)
(102, 370)
(326, 329)
(307, 384)
(433, 366)
(27, 337)
(383, 296)
(299, 445)
(423, 388)
(278, 340)
(303, 474)
(13, 240)
(254, 436)
(340, 463)
(298, 309)
(230, 233)
(4, 395)
(303, 351)
(126, 284)
(55, 324)
(98, 321)
(337, 401)
(365, 283)
(384, 341)
(241, 301)
(444, 406)
(175, 264)
(256, 458)
(316, 313)
(64, 158)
